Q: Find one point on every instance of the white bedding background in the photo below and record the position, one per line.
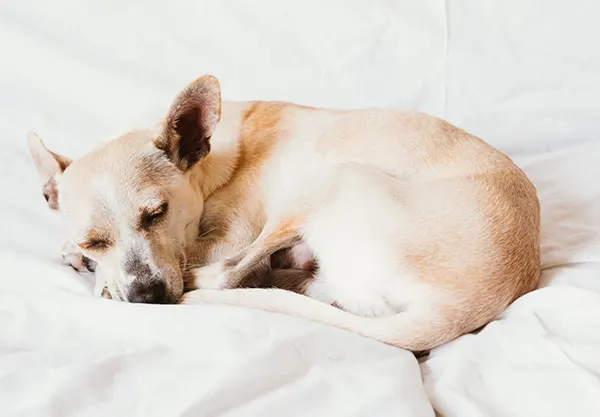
(522, 74)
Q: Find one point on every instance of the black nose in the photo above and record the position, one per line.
(153, 292)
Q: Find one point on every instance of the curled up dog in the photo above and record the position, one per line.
(422, 232)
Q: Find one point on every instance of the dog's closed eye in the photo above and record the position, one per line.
(94, 244)
(153, 215)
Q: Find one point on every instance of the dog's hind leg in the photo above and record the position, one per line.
(230, 272)
(296, 280)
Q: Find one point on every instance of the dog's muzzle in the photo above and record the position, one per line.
(147, 285)
(153, 292)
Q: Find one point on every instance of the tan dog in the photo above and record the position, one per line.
(422, 232)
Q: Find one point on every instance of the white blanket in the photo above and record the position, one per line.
(522, 74)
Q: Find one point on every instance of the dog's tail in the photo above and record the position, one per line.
(415, 330)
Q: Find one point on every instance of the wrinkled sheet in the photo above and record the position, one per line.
(522, 74)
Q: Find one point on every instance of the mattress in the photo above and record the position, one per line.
(521, 74)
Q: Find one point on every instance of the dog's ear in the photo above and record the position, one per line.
(49, 165)
(191, 122)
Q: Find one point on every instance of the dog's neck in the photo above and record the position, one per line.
(217, 168)
(245, 137)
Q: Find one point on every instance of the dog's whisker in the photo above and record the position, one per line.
(119, 289)
(207, 232)
(188, 268)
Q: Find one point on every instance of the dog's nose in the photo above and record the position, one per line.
(153, 292)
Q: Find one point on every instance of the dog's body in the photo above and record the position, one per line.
(422, 232)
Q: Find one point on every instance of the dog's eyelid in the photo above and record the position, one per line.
(157, 210)
(150, 216)
(94, 244)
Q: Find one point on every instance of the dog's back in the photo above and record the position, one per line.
(397, 206)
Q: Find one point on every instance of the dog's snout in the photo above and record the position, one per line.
(147, 284)
(153, 292)
(137, 268)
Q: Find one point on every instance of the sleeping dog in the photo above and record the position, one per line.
(422, 232)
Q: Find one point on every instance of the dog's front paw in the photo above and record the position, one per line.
(211, 277)
(72, 256)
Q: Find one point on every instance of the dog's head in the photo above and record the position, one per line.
(134, 204)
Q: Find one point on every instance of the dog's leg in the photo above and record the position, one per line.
(296, 280)
(72, 256)
(298, 256)
(231, 272)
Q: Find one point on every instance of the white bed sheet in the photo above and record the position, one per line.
(521, 74)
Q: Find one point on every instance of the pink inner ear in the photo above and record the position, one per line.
(197, 108)
(191, 122)
(50, 192)
(193, 142)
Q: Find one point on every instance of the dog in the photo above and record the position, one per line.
(421, 231)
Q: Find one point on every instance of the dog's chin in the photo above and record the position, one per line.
(113, 291)
(177, 290)
(173, 298)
